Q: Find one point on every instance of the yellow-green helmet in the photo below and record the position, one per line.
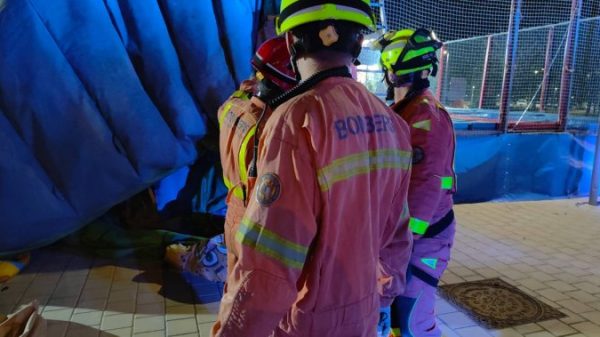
(408, 51)
(294, 13)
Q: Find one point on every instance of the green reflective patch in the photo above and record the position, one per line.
(447, 183)
(423, 125)
(418, 226)
(429, 262)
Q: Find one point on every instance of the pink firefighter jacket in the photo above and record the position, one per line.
(326, 221)
(237, 125)
(432, 180)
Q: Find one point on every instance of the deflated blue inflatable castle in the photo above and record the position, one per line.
(102, 99)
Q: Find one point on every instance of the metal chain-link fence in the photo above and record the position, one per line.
(551, 80)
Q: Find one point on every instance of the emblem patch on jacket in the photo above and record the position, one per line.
(418, 155)
(268, 190)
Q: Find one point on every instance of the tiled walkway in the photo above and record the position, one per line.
(548, 249)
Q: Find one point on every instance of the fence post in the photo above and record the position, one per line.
(440, 73)
(509, 62)
(569, 64)
(595, 169)
(547, 61)
(486, 61)
(382, 14)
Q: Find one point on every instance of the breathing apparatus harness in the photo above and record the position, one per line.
(295, 91)
(321, 36)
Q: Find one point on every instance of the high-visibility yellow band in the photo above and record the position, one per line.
(224, 113)
(271, 244)
(240, 94)
(237, 94)
(362, 163)
(243, 169)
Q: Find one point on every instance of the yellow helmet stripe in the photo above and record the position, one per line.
(413, 70)
(397, 45)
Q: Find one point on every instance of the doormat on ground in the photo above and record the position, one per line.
(496, 304)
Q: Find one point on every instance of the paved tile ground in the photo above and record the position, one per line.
(548, 249)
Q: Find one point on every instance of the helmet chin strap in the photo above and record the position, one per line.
(357, 48)
(434, 68)
(294, 63)
(293, 49)
(399, 81)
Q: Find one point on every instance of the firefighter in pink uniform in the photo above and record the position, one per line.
(238, 118)
(325, 239)
(408, 57)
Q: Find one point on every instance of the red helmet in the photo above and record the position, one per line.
(272, 60)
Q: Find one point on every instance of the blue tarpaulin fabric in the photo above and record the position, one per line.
(100, 99)
(523, 166)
